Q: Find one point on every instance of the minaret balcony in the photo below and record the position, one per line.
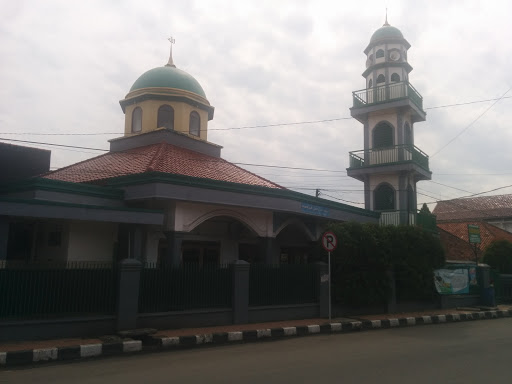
(399, 157)
(387, 96)
(427, 221)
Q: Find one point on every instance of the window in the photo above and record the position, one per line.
(137, 120)
(384, 196)
(370, 83)
(395, 77)
(379, 54)
(195, 123)
(165, 117)
(383, 135)
(381, 79)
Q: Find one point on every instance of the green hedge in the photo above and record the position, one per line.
(365, 255)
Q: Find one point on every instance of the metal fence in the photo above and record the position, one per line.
(282, 284)
(185, 287)
(35, 291)
(503, 287)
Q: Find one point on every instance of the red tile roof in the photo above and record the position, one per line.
(162, 157)
(459, 248)
(475, 208)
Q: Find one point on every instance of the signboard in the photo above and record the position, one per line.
(314, 209)
(474, 234)
(451, 281)
(329, 241)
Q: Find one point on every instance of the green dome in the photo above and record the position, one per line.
(386, 32)
(168, 77)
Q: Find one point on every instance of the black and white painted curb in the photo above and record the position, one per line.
(167, 343)
(68, 353)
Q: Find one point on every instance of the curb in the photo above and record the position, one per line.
(36, 356)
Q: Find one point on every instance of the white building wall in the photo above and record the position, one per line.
(190, 215)
(91, 241)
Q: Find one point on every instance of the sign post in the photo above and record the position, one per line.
(329, 242)
(474, 238)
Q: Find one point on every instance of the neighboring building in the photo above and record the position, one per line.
(163, 194)
(17, 162)
(390, 164)
(455, 239)
(495, 210)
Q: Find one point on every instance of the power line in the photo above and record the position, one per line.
(346, 201)
(444, 185)
(55, 145)
(469, 102)
(464, 197)
(250, 126)
(471, 124)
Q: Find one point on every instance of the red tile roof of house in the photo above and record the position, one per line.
(162, 157)
(459, 248)
(475, 208)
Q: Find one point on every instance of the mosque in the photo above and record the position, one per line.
(164, 195)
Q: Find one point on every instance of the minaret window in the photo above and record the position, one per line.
(383, 136)
(195, 123)
(384, 198)
(395, 77)
(381, 79)
(165, 117)
(137, 120)
(379, 54)
(370, 83)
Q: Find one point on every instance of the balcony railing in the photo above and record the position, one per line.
(386, 93)
(388, 155)
(426, 221)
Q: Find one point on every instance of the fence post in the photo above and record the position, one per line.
(322, 278)
(128, 294)
(392, 307)
(241, 292)
(4, 235)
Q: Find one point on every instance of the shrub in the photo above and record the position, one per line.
(499, 256)
(367, 252)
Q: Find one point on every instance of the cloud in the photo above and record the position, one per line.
(66, 65)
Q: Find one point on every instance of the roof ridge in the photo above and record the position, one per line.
(156, 157)
(252, 173)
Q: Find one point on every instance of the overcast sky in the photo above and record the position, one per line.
(64, 66)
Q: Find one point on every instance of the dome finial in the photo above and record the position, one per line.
(386, 24)
(170, 63)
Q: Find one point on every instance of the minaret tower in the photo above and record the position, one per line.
(390, 164)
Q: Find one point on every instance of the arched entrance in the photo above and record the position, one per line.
(295, 244)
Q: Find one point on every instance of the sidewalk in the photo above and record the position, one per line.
(28, 352)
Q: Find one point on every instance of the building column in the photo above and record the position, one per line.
(4, 237)
(173, 254)
(367, 193)
(270, 250)
(402, 199)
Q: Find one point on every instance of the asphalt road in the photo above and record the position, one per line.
(469, 352)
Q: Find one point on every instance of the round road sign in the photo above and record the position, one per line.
(329, 241)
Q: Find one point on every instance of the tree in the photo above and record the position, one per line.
(499, 256)
(424, 209)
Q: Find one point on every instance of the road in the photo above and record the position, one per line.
(466, 352)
